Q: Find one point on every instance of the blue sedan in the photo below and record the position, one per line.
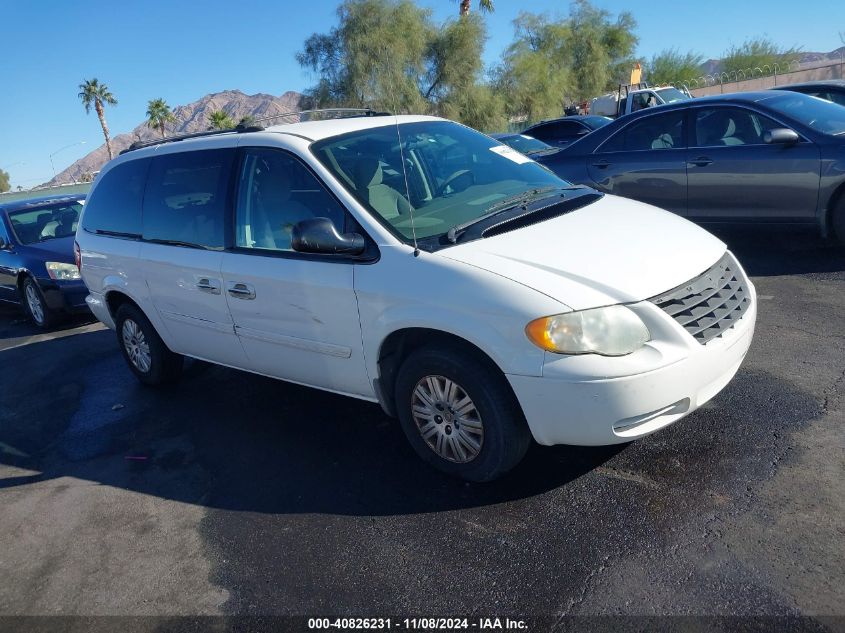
(37, 268)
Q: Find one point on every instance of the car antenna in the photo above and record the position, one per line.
(404, 169)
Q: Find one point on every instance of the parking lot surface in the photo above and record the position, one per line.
(230, 493)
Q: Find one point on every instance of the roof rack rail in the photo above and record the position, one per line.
(256, 125)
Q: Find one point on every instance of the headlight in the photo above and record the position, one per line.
(61, 271)
(611, 331)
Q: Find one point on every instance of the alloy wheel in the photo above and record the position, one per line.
(33, 302)
(136, 346)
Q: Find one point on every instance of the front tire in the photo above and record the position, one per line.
(838, 220)
(142, 347)
(460, 415)
(36, 305)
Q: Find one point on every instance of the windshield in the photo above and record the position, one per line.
(45, 223)
(454, 174)
(823, 116)
(525, 144)
(671, 95)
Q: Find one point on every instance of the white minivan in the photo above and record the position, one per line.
(414, 262)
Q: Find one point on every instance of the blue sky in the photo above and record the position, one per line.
(181, 50)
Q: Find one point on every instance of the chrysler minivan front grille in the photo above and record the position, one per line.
(710, 304)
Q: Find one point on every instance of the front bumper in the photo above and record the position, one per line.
(594, 401)
(64, 296)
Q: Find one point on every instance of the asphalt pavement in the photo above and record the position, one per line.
(233, 494)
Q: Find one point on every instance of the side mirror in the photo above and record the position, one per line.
(4, 245)
(781, 135)
(319, 235)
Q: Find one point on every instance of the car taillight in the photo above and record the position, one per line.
(77, 255)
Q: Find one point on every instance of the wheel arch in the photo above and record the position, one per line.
(399, 344)
(835, 201)
(116, 298)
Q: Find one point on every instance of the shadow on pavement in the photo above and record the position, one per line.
(233, 440)
(771, 251)
(14, 323)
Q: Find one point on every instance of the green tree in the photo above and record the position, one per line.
(5, 185)
(159, 114)
(756, 53)
(535, 75)
(219, 120)
(602, 48)
(670, 65)
(374, 58)
(554, 62)
(93, 93)
(486, 6)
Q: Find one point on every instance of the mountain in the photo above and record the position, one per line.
(806, 60)
(189, 118)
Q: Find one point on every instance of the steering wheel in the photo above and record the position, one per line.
(462, 175)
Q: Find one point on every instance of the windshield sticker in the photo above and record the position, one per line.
(511, 154)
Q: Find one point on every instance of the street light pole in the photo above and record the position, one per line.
(60, 150)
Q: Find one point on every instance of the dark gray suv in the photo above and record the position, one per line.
(751, 157)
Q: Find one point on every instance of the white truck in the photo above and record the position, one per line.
(632, 97)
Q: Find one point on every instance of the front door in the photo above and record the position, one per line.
(645, 161)
(184, 215)
(296, 315)
(733, 175)
(8, 271)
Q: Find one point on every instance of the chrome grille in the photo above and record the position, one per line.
(711, 303)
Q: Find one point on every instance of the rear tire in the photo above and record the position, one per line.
(36, 306)
(460, 414)
(142, 348)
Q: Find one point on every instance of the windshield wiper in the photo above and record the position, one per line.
(176, 243)
(503, 205)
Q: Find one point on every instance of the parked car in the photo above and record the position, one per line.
(771, 156)
(37, 268)
(565, 130)
(528, 145)
(418, 263)
(830, 89)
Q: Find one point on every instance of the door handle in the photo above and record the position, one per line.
(209, 285)
(601, 164)
(701, 161)
(241, 290)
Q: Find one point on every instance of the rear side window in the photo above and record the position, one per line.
(114, 207)
(185, 200)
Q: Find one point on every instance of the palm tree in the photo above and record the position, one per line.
(486, 6)
(219, 120)
(94, 93)
(159, 113)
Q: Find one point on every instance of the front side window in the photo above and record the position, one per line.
(717, 127)
(274, 193)
(454, 174)
(662, 131)
(185, 198)
(45, 223)
(114, 206)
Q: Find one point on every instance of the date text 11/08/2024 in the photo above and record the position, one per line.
(489, 624)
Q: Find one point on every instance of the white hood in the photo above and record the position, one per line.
(612, 251)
